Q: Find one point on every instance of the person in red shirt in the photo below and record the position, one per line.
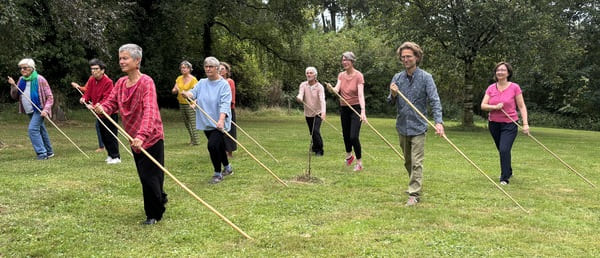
(134, 95)
(98, 88)
(230, 145)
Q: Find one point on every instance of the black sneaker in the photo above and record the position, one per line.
(149, 222)
(227, 172)
(216, 180)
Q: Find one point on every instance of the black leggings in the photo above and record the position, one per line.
(216, 148)
(351, 129)
(110, 142)
(152, 179)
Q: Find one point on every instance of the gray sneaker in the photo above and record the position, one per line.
(216, 180)
(227, 172)
(412, 200)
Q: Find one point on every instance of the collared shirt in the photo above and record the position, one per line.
(139, 110)
(215, 98)
(420, 90)
(314, 97)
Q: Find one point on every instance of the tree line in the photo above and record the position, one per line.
(553, 46)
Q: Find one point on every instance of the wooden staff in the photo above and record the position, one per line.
(103, 124)
(263, 148)
(549, 151)
(459, 151)
(334, 128)
(52, 122)
(129, 138)
(366, 122)
(236, 141)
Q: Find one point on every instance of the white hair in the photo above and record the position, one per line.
(310, 68)
(212, 61)
(27, 61)
(134, 50)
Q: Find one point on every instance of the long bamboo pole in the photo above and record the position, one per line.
(52, 122)
(129, 138)
(105, 126)
(195, 105)
(263, 148)
(459, 151)
(366, 122)
(549, 151)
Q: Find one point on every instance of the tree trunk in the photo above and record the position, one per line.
(467, 120)
(207, 39)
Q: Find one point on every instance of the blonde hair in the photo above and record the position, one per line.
(416, 49)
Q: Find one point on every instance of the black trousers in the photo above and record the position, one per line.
(230, 145)
(152, 179)
(317, 141)
(216, 148)
(110, 142)
(351, 129)
(504, 135)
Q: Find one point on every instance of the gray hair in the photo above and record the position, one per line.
(27, 61)
(186, 63)
(310, 68)
(350, 56)
(212, 61)
(134, 50)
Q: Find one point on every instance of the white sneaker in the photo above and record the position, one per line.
(113, 161)
(108, 158)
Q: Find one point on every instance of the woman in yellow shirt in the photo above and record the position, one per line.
(185, 82)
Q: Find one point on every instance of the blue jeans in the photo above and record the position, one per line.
(504, 135)
(39, 136)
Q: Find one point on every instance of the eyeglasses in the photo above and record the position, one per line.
(209, 66)
(24, 67)
(406, 57)
(95, 68)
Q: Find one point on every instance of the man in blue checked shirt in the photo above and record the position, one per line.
(418, 86)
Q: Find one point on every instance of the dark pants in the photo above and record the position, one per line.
(351, 129)
(216, 149)
(110, 142)
(504, 135)
(152, 179)
(314, 128)
(230, 145)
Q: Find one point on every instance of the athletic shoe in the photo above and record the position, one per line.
(503, 182)
(50, 155)
(42, 157)
(349, 160)
(412, 200)
(358, 167)
(114, 161)
(108, 158)
(216, 180)
(149, 222)
(227, 172)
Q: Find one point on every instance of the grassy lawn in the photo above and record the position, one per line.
(74, 206)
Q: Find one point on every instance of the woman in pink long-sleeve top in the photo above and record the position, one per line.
(36, 96)
(134, 95)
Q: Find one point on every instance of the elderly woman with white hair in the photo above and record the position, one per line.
(134, 95)
(350, 85)
(36, 96)
(213, 95)
(312, 94)
(185, 82)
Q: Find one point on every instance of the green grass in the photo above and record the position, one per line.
(74, 206)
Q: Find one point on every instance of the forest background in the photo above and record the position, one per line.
(552, 45)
